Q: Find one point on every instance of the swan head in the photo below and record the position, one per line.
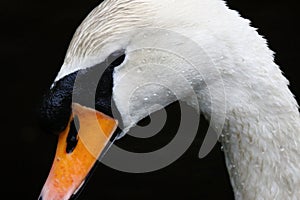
(127, 60)
(120, 66)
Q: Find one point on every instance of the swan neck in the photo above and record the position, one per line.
(261, 141)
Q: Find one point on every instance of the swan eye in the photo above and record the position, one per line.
(144, 122)
(72, 138)
(116, 58)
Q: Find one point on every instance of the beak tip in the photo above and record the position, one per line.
(66, 177)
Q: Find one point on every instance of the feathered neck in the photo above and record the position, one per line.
(261, 145)
(261, 136)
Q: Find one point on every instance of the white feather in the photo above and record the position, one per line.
(261, 134)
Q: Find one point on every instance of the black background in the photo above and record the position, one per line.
(34, 38)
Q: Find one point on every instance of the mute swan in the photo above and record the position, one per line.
(217, 48)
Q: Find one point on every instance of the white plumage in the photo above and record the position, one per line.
(174, 42)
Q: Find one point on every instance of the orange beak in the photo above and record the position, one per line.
(79, 147)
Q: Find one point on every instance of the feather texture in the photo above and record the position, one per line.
(261, 136)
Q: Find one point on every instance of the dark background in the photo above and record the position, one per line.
(34, 38)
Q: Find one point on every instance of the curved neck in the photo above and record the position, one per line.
(261, 136)
(262, 154)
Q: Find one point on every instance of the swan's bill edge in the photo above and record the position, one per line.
(71, 166)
